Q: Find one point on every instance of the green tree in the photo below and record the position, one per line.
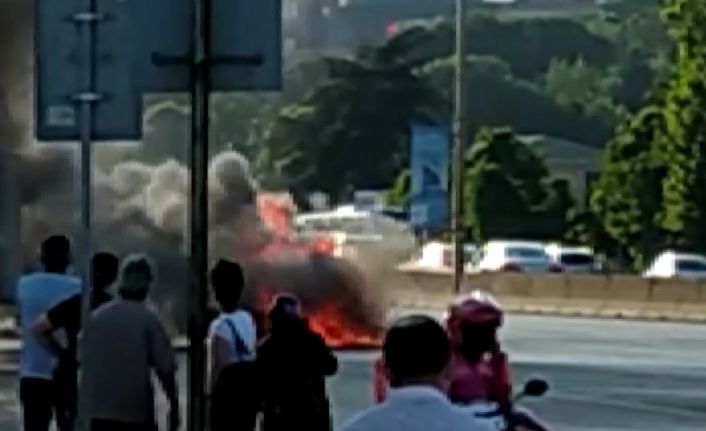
(398, 195)
(352, 129)
(683, 214)
(509, 192)
(498, 99)
(652, 190)
(586, 89)
(527, 45)
(626, 198)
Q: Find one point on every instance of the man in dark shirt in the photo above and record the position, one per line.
(66, 316)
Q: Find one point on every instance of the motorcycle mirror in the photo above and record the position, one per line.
(536, 388)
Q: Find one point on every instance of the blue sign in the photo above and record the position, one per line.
(429, 207)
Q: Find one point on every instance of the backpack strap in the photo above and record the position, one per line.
(240, 347)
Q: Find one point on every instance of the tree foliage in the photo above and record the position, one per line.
(497, 99)
(509, 192)
(626, 198)
(683, 213)
(399, 194)
(652, 190)
(583, 88)
(352, 129)
(528, 46)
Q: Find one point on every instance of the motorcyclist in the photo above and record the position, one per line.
(480, 370)
(479, 374)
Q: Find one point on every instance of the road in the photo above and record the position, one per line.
(605, 375)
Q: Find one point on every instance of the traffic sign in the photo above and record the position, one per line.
(144, 46)
(247, 45)
(59, 62)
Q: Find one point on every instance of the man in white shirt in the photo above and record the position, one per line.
(416, 353)
(232, 340)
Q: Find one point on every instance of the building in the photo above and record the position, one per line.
(576, 163)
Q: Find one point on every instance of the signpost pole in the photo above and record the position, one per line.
(87, 20)
(200, 90)
(459, 144)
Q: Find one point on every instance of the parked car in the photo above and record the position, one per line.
(436, 254)
(572, 259)
(671, 264)
(515, 256)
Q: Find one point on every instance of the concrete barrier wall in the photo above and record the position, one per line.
(575, 295)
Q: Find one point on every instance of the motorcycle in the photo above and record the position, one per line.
(511, 417)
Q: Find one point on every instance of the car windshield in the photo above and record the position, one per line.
(525, 252)
(691, 265)
(576, 259)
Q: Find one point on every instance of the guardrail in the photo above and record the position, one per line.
(620, 296)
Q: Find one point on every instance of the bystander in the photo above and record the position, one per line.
(124, 341)
(37, 293)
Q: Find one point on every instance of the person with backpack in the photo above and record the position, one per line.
(294, 363)
(232, 348)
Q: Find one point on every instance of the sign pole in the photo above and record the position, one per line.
(200, 98)
(86, 20)
(459, 144)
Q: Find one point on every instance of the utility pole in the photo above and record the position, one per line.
(86, 21)
(459, 144)
(200, 102)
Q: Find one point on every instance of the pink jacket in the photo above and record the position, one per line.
(487, 380)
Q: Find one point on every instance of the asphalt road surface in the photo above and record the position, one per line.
(605, 375)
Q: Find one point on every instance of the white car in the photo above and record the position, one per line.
(671, 264)
(441, 255)
(571, 258)
(515, 256)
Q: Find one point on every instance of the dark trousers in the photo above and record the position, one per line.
(235, 399)
(37, 398)
(65, 387)
(107, 425)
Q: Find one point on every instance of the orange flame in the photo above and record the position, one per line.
(328, 319)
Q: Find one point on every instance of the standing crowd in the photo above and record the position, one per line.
(253, 377)
(272, 379)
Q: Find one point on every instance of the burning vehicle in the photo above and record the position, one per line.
(339, 301)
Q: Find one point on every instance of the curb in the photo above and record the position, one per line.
(556, 311)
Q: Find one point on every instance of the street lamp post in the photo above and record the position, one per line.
(459, 143)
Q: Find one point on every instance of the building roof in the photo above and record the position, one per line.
(557, 150)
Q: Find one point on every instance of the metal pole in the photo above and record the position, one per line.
(200, 91)
(459, 143)
(87, 20)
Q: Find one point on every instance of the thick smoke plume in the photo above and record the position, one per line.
(139, 207)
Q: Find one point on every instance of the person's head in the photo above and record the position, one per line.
(416, 350)
(104, 270)
(136, 277)
(56, 254)
(473, 322)
(228, 283)
(285, 312)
